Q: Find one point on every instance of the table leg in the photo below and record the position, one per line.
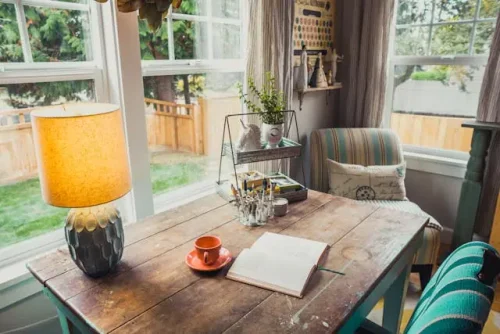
(64, 322)
(394, 301)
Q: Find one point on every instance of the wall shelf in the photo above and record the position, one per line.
(337, 85)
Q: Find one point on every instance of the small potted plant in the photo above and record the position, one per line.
(270, 106)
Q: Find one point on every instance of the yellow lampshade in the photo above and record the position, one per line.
(81, 154)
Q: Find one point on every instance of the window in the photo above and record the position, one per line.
(48, 55)
(57, 51)
(440, 51)
(190, 67)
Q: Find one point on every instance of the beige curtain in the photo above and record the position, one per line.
(363, 33)
(489, 111)
(270, 49)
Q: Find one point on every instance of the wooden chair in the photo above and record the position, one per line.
(369, 147)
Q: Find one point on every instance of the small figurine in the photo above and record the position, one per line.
(249, 139)
(318, 79)
(303, 72)
(329, 78)
(335, 58)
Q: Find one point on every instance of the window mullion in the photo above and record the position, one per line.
(170, 31)
(23, 31)
(474, 26)
(431, 27)
(210, 30)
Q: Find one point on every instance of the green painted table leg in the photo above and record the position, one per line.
(64, 322)
(471, 189)
(394, 301)
(70, 323)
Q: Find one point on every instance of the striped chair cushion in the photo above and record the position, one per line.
(455, 301)
(360, 146)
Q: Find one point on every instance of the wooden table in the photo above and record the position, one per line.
(153, 291)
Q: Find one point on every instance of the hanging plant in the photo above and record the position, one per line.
(154, 11)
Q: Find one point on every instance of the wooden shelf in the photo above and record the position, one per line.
(336, 86)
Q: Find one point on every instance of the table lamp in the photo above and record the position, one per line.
(83, 165)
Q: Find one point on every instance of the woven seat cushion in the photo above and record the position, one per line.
(455, 301)
(429, 251)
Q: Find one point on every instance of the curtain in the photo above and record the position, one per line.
(363, 33)
(489, 111)
(270, 49)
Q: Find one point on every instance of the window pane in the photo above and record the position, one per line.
(40, 94)
(455, 10)
(154, 45)
(190, 39)
(484, 37)
(23, 213)
(489, 9)
(451, 39)
(226, 8)
(430, 103)
(185, 129)
(192, 7)
(58, 34)
(412, 41)
(10, 42)
(414, 11)
(226, 41)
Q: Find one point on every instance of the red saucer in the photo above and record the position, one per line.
(195, 263)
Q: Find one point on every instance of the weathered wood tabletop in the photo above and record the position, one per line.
(153, 291)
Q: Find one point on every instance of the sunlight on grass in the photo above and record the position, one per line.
(24, 214)
(169, 177)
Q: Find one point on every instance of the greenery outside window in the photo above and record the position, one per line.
(190, 66)
(50, 53)
(440, 49)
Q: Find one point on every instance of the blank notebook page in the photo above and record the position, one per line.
(271, 271)
(290, 247)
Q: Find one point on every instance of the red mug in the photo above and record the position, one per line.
(208, 248)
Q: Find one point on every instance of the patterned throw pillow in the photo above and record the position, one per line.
(367, 183)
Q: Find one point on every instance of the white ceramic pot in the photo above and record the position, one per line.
(272, 134)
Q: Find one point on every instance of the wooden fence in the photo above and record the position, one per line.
(432, 131)
(17, 153)
(175, 126)
(170, 126)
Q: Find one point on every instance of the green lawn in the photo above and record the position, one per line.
(23, 213)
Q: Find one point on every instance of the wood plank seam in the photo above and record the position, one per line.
(343, 269)
(149, 236)
(170, 296)
(271, 293)
(325, 287)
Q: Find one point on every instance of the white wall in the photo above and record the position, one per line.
(317, 112)
(437, 195)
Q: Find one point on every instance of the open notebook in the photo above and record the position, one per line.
(279, 263)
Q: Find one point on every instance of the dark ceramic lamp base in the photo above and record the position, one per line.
(95, 238)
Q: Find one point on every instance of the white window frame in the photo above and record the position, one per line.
(394, 60)
(174, 66)
(35, 72)
(116, 70)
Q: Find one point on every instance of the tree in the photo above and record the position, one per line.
(447, 39)
(154, 46)
(54, 35)
(59, 35)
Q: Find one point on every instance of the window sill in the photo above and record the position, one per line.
(435, 164)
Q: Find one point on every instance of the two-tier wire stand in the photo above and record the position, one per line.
(287, 149)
